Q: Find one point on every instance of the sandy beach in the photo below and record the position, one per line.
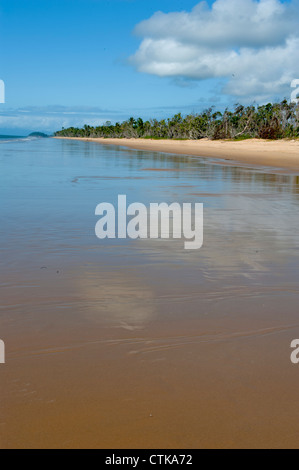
(132, 344)
(149, 229)
(253, 152)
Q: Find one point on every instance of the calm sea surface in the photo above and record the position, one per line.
(140, 343)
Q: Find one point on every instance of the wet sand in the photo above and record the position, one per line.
(140, 343)
(278, 154)
(107, 361)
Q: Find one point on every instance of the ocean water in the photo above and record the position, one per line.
(14, 138)
(124, 330)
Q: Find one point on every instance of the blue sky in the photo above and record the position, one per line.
(73, 61)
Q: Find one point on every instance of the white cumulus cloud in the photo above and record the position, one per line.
(253, 45)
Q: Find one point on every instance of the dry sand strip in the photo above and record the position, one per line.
(278, 153)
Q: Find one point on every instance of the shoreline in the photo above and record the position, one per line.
(279, 154)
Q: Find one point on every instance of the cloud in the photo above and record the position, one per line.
(251, 44)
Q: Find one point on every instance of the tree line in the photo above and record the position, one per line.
(270, 121)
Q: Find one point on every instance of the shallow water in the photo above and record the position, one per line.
(140, 343)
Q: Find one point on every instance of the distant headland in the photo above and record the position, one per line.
(38, 134)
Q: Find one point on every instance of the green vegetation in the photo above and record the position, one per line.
(270, 121)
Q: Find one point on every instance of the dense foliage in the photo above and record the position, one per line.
(271, 121)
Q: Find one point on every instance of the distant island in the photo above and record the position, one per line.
(270, 121)
(38, 134)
